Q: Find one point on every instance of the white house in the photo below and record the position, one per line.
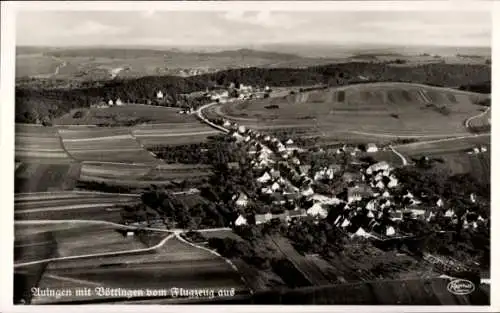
(226, 124)
(361, 233)
(439, 203)
(110, 102)
(130, 233)
(242, 200)
(267, 190)
(264, 178)
(159, 95)
(393, 182)
(241, 129)
(390, 231)
(370, 214)
(289, 142)
(275, 187)
(371, 147)
(267, 138)
(483, 149)
(345, 223)
(118, 102)
(380, 185)
(386, 194)
(241, 220)
(370, 205)
(473, 198)
(317, 210)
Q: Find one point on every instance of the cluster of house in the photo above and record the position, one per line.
(241, 92)
(109, 103)
(477, 150)
(371, 206)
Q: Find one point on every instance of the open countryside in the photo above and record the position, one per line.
(252, 176)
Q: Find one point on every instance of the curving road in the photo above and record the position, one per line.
(113, 253)
(401, 156)
(467, 122)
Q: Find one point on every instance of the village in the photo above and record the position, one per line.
(372, 205)
(220, 94)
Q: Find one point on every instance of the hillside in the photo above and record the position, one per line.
(44, 103)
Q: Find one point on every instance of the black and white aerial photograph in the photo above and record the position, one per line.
(334, 153)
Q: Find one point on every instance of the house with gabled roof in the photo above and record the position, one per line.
(264, 178)
(242, 200)
(241, 220)
(317, 210)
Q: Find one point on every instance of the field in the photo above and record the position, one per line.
(478, 165)
(174, 264)
(39, 144)
(310, 271)
(119, 115)
(386, 110)
(173, 133)
(140, 175)
(39, 177)
(444, 145)
(36, 65)
(69, 242)
(68, 206)
(104, 145)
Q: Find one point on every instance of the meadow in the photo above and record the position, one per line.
(386, 110)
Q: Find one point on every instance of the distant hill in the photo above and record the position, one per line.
(95, 63)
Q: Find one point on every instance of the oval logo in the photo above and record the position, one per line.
(461, 287)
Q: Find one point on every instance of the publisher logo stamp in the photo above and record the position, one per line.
(461, 287)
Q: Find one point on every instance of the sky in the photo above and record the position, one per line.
(243, 28)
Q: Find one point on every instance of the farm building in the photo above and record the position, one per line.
(159, 95)
(110, 103)
(371, 147)
(118, 102)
